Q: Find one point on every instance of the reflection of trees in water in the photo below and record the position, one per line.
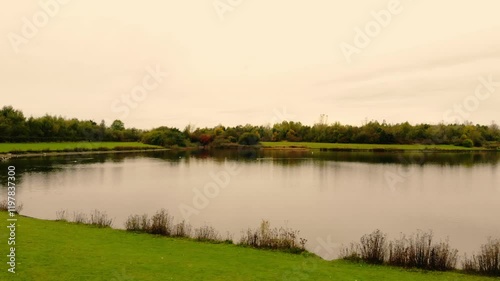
(280, 157)
(412, 158)
(297, 157)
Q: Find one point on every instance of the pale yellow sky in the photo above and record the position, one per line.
(252, 63)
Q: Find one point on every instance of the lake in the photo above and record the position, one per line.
(333, 198)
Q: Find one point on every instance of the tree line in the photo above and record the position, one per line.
(15, 127)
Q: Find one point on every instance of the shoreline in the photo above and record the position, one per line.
(284, 148)
(6, 156)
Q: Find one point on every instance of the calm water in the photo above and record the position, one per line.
(331, 197)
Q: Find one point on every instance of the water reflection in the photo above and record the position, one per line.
(339, 194)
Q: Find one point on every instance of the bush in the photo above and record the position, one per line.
(350, 253)
(487, 262)
(161, 223)
(207, 233)
(138, 223)
(61, 215)
(100, 219)
(4, 206)
(468, 143)
(249, 139)
(373, 247)
(182, 229)
(79, 217)
(133, 223)
(164, 136)
(265, 237)
(442, 257)
(418, 251)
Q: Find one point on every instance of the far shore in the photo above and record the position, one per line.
(63, 153)
(56, 149)
(354, 147)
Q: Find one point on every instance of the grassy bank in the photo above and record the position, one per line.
(49, 250)
(70, 146)
(368, 147)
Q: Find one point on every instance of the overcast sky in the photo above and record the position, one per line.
(252, 61)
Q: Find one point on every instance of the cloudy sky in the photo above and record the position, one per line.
(252, 61)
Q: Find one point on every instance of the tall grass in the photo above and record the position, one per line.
(79, 217)
(417, 251)
(373, 247)
(161, 223)
(487, 262)
(207, 233)
(265, 237)
(182, 229)
(4, 206)
(62, 215)
(95, 218)
(351, 252)
(100, 219)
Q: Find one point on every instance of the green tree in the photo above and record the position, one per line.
(249, 139)
(118, 125)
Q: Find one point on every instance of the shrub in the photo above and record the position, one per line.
(133, 223)
(249, 139)
(145, 223)
(442, 257)
(468, 143)
(79, 217)
(207, 233)
(399, 252)
(373, 247)
(182, 229)
(4, 206)
(418, 251)
(100, 219)
(161, 223)
(138, 223)
(265, 237)
(350, 253)
(62, 215)
(487, 262)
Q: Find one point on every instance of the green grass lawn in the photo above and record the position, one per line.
(49, 250)
(61, 146)
(314, 145)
